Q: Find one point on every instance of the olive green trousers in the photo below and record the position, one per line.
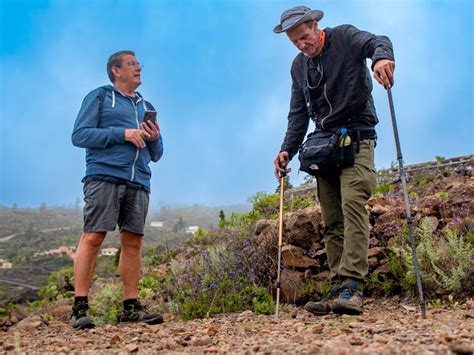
(343, 198)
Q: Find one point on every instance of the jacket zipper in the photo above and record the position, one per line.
(138, 127)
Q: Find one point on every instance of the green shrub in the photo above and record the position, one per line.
(426, 179)
(443, 195)
(445, 261)
(265, 205)
(298, 203)
(162, 258)
(106, 266)
(58, 285)
(383, 189)
(262, 301)
(105, 304)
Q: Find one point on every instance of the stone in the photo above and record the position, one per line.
(291, 285)
(131, 348)
(212, 350)
(245, 315)
(211, 330)
(115, 339)
(295, 256)
(30, 323)
(60, 310)
(374, 251)
(372, 262)
(323, 276)
(374, 242)
(383, 269)
(462, 348)
(9, 347)
(379, 210)
(200, 341)
(381, 201)
(263, 224)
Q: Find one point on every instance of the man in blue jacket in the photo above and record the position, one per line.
(331, 86)
(119, 147)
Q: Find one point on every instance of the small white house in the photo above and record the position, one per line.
(108, 251)
(157, 224)
(191, 229)
(5, 264)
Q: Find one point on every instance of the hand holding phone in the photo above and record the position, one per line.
(150, 126)
(150, 116)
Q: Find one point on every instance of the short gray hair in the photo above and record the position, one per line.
(115, 60)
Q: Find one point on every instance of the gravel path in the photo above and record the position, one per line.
(388, 326)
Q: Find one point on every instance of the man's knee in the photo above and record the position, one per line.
(130, 241)
(93, 240)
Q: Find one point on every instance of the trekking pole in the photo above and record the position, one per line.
(280, 240)
(407, 204)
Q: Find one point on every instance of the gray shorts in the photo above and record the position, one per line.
(108, 204)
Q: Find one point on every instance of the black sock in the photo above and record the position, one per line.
(81, 299)
(130, 303)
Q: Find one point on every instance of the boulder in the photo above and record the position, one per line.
(303, 227)
(263, 224)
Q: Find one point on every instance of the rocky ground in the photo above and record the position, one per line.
(388, 326)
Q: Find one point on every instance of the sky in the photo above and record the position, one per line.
(219, 78)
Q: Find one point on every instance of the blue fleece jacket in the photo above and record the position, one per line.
(103, 135)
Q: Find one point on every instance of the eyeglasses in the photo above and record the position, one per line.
(132, 63)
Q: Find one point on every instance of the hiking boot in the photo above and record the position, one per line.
(349, 301)
(79, 317)
(323, 307)
(138, 313)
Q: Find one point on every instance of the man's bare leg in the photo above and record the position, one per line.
(85, 261)
(130, 263)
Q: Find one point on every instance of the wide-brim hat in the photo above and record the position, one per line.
(295, 16)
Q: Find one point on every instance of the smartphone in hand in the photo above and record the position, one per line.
(150, 117)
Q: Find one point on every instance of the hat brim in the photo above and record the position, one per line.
(310, 15)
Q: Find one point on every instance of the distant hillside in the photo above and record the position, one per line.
(206, 217)
(25, 231)
(18, 220)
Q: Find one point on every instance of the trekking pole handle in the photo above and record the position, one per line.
(282, 174)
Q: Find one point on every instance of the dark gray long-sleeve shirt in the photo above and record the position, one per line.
(340, 86)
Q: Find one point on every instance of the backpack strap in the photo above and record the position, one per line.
(101, 96)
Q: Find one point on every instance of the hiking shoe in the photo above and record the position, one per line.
(323, 307)
(138, 313)
(349, 301)
(79, 317)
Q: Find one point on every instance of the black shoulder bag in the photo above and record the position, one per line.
(326, 152)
